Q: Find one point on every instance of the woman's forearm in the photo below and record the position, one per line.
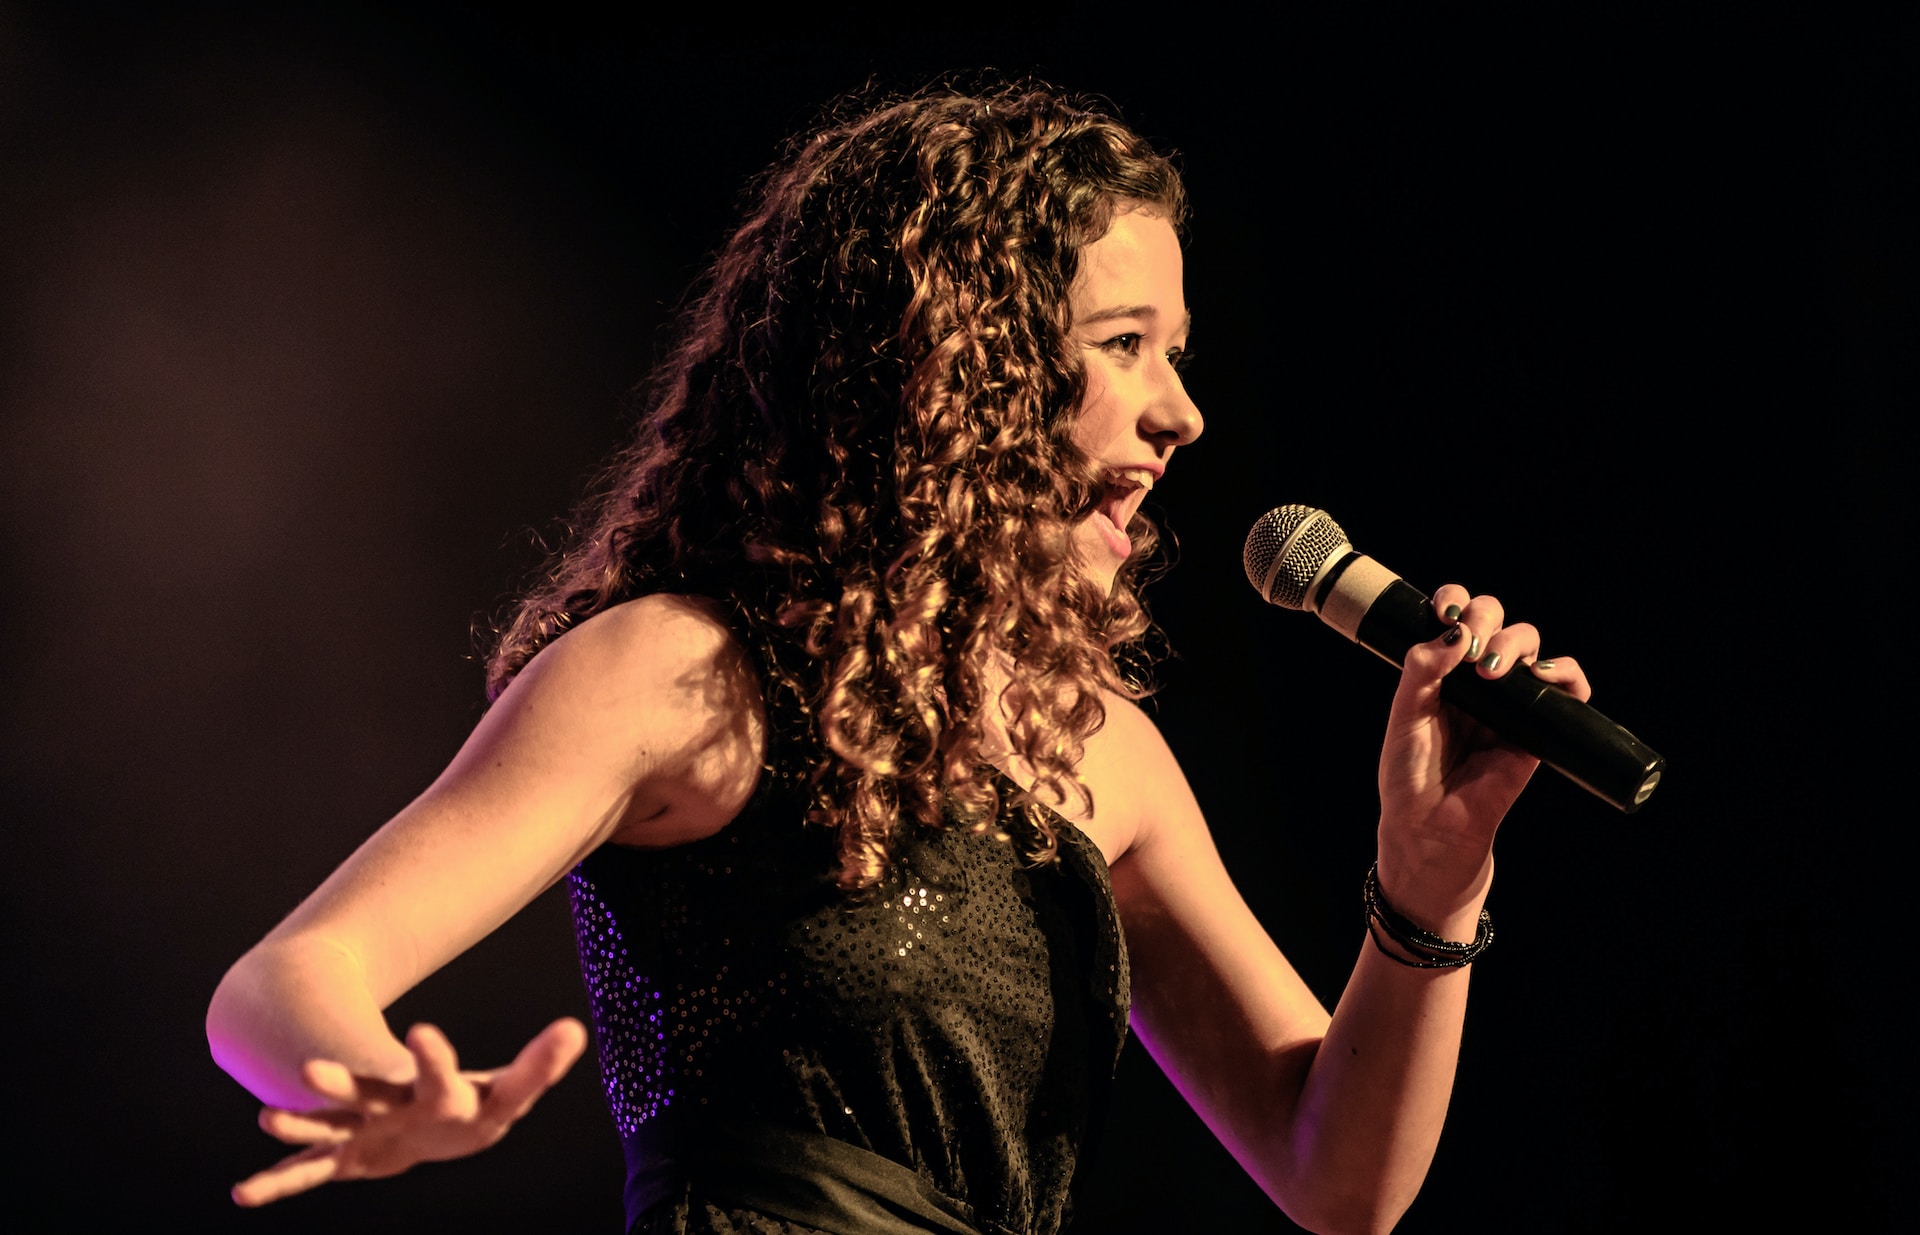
(291, 1000)
(1372, 1104)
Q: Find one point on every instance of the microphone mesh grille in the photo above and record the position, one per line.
(1306, 536)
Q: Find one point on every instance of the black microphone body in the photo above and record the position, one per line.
(1297, 557)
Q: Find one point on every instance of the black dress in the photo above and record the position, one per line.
(781, 1056)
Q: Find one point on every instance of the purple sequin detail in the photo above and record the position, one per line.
(627, 1013)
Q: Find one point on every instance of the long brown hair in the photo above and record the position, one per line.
(862, 443)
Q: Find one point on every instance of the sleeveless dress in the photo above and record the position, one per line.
(783, 1057)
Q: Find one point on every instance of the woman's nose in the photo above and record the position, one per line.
(1172, 415)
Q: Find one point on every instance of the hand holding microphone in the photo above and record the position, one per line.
(1299, 558)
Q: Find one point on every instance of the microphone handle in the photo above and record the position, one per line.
(1541, 719)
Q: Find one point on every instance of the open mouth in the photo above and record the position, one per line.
(1126, 488)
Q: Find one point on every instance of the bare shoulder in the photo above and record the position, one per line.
(1162, 851)
(656, 643)
(662, 689)
(1138, 786)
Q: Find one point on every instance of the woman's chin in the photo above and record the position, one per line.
(1097, 566)
(1112, 536)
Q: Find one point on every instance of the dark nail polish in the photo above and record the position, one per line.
(1491, 663)
(1451, 637)
(1451, 613)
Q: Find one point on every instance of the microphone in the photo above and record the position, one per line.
(1297, 557)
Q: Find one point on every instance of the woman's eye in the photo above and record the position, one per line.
(1125, 344)
(1179, 358)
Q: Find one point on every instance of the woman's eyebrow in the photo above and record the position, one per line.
(1128, 310)
(1124, 310)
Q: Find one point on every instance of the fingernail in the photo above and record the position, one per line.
(1541, 666)
(1491, 663)
(1473, 649)
(1451, 637)
(1451, 613)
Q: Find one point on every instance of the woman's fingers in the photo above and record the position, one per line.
(1480, 622)
(1474, 622)
(315, 1128)
(340, 1087)
(1564, 672)
(1450, 596)
(1427, 663)
(307, 1169)
(330, 1079)
(439, 1087)
(1493, 647)
(539, 1065)
(1510, 646)
(378, 1128)
(1478, 635)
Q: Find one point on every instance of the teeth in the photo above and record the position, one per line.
(1138, 475)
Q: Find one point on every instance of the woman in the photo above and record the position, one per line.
(829, 711)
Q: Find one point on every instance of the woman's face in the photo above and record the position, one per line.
(1130, 323)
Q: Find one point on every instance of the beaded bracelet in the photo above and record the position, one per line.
(1433, 951)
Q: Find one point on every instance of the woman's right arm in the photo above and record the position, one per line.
(642, 724)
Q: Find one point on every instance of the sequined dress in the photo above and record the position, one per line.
(962, 1020)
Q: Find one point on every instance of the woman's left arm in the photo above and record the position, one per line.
(1336, 1116)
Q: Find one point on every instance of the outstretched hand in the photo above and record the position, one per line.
(1446, 780)
(373, 1128)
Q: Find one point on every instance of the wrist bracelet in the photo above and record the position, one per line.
(1428, 950)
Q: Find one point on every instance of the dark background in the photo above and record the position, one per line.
(309, 320)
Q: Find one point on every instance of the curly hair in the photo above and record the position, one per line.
(861, 443)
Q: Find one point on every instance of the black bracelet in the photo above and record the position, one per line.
(1429, 950)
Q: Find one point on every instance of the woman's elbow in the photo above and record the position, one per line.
(1326, 1203)
(1341, 1211)
(1334, 1217)
(254, 1029)
(233, 1026)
